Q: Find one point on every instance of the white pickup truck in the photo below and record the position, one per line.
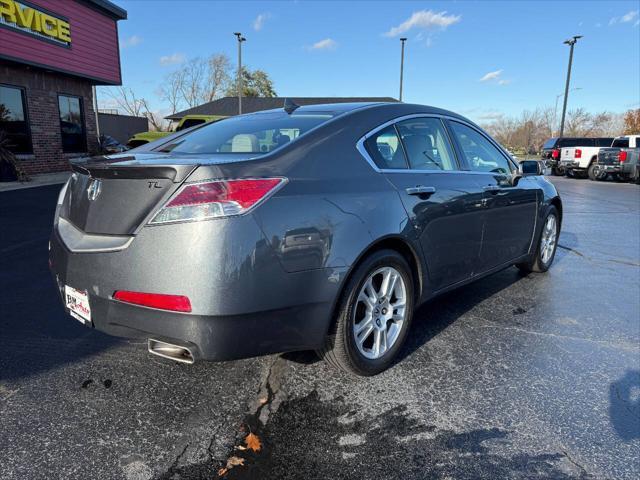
(575, 161)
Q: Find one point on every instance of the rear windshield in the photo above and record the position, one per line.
(257, 134)
(550, 143)
(620, 142)
(190, 122)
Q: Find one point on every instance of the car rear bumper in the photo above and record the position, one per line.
(571, 164)
(243, 302)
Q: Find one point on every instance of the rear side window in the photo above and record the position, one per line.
(480, 153)
(603, 142)
(568, 142)
(385, 149)
(255, 134)
(426, 144)
(620, 142)
(190, 122)
(551, 143)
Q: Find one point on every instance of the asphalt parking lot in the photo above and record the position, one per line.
(511, 377)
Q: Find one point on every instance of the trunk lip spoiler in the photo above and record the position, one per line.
(175, 173)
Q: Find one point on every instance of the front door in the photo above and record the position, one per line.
(445, 205)
(510, 210)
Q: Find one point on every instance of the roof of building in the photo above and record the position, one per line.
(228, 106)
(110, 8)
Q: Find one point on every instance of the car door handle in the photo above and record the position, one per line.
(492, 188)
(420, 190)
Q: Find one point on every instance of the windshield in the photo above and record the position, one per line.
(258, 133)
(550, 143)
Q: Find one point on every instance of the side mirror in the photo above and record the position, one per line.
(527, 168)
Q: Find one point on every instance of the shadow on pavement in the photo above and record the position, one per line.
(624, 405)
(36, 334)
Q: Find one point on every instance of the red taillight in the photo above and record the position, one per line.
(622, 156)
(555, 154)
(578, 153)
(176, 303)
(220, 198)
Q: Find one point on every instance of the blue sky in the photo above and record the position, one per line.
(352, 49)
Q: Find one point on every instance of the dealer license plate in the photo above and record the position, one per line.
(77, 302)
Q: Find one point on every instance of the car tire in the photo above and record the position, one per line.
(555, 171)
(543, 258)
(594, 172)
(354, 352)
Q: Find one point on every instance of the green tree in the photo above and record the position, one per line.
(254, 84)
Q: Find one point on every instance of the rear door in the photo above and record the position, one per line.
(510, 210)
(444, 204)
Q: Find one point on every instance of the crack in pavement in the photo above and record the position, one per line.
(622, 346)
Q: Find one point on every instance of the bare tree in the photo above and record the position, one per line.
(218, 76)
(171, 90)
(126, 100)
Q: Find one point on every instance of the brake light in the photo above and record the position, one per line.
(175, 303)
(216, 199)
(578, 153)
(622, 156)
(555, 154)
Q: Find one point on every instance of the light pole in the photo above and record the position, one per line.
(402, 40)
(240, 40)
(571, 42)
(555, 109)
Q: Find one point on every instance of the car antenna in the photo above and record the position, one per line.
(290, 106)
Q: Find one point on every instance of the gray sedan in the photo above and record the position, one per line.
(319, 227)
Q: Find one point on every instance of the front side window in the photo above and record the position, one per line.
(13, 120)
(259, 133)
(426, 144)
(72, 124)
(385, 149)
(480, 153)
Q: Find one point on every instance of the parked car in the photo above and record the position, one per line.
(621, 159)
(211, 247)
(576, 160)
(185, 122)
(109, 145)
(553, 156)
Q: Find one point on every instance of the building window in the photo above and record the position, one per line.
(72, 124)
(13, 119)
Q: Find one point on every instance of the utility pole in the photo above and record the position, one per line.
(239, 81)
(571, 42)
(402, 40)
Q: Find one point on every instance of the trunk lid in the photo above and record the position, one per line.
(115, 195)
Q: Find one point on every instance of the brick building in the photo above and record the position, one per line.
(52, 54)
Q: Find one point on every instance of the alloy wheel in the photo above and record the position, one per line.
(380, 312)
(548, 238)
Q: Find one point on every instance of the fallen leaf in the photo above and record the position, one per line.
(253, 442)
(231, 462)
(240, 447)
(263, 400)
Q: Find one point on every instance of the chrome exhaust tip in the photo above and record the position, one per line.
(170, 351)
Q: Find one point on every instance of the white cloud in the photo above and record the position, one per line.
(495, 77)
(172, 59)
(260, 20)
(426, 20)
(491, 76)
(131, 41)
(326, 44)
(626, 18)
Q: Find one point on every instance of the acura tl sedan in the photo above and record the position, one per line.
(308, 228)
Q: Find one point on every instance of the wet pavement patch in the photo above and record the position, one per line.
(314, 439)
